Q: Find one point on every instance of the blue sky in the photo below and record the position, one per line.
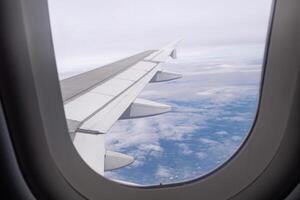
(213, 105)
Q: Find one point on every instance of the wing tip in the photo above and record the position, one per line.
(173, 44)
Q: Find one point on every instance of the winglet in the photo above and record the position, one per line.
(172, 45)
(161, 55)
(174, 54)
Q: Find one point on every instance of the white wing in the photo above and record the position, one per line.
(95, 100)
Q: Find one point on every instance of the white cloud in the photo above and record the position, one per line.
(240, 117)
(236, 138)
(201, 155)
(221, 133)
(209, 141)
(163, 172)
(142, 138)
(95, 32)
(220, 151)
(144, 135)
(184, 149)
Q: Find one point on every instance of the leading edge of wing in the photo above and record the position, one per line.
(77, 85)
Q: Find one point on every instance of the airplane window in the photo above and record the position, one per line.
(139, 117)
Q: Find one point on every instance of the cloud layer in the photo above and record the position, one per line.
(212, 114)
(94, 32)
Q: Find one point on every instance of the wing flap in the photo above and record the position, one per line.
(162, 76)
(91, 149)
(116, 160)
(144, 108)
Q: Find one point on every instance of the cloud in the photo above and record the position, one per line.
(155, 141)
(236, 138)
(209, 141)
(184, 149)
(88, 34)
(141, 137)
(201, 155)
(221, 133)
(163, 172)
(226, 94)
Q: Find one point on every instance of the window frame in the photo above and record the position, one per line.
(33, 109)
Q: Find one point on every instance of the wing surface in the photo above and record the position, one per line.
(95, 100)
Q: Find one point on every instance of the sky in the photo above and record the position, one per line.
(214, 104)
(94, 32)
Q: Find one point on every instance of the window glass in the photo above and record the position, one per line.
(214, 104)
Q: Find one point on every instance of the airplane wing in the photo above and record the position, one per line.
(95, 100)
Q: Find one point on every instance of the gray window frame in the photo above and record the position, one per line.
(265, 166)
